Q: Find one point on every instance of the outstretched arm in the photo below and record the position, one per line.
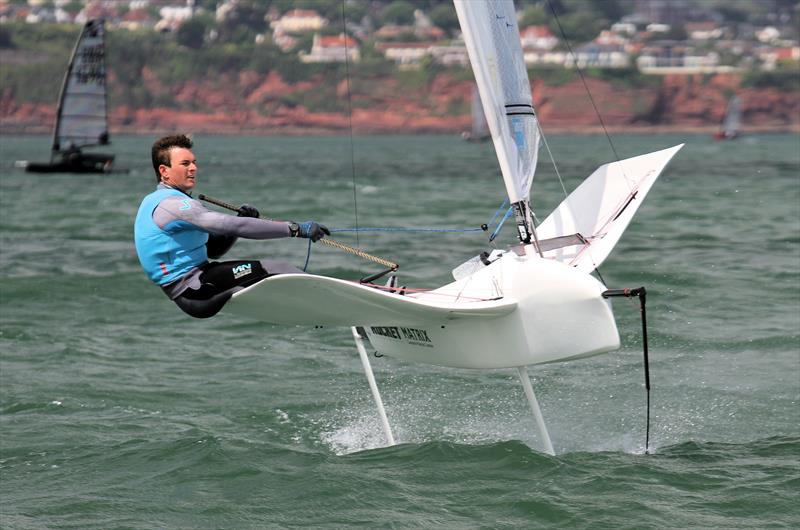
(174, 210)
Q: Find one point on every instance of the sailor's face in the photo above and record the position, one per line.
(180, 174)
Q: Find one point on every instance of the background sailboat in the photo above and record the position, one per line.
(82, 118)
(479, 131)
(731, 123)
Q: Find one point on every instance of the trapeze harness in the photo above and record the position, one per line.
(175, 235)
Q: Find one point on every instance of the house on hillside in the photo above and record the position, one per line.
(450, 55)
(136, 19)
(395, 32)
(770, 57)
(767, 34)
(596, 55)
(674, 57)
(537, 38)
(407, 55)
(703, 31)
(96, 10)
(336, 49)
(299, 21)
(607, 37)
(544, 57)
(626, 28)
(172, 17)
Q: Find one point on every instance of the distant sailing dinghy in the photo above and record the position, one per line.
(533, 303)
(82, 119)
(480, 129)
(732, 122)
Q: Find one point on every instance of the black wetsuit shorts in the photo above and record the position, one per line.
(218, 281)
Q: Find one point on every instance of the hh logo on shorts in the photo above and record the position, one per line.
(241, 270)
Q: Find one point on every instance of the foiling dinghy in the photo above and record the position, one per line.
(82, 116)
(534, 303)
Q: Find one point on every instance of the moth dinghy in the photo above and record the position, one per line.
(535, 302)
(479, 132)
(732, 121)
(82, 117)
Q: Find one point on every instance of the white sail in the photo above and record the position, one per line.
(495, 51)
(82, 116)
(732, 121)
(480, 130)
(601, 208)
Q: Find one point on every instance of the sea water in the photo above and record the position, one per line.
(119, 411)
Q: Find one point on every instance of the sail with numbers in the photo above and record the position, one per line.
(82, 115)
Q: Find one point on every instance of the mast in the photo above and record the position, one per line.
(492, 38)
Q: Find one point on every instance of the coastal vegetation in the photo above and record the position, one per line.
(235, 64)
(144, 64)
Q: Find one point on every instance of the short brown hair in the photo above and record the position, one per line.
(160, 151)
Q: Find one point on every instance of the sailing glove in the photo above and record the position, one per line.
(246, 210)
(310, 230)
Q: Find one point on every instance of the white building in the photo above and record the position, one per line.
(599, 56)
(538, 38)
(768, 34)
(544, 57)
(405, 54)
(454, 54)
(679, 59)
(703, 31)
(337, 49)
(299, 21)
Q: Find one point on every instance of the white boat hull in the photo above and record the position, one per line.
(560, 315)
(519, 310)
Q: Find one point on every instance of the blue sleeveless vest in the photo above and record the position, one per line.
(167, 254)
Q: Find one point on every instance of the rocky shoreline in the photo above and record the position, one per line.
(252, 105)
(21, 129)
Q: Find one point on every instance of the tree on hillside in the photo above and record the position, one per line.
(611, 10)
(208, 5)
(192, 33)
(73, 8)
(580, 26)
(535, 16)
(398, 12)
(243, 22)
(582, 20)
(444, 16)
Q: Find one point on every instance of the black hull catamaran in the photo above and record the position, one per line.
(82, 118)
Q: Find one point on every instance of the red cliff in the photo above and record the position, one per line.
(250, 103)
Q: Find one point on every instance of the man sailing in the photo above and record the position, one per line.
(176, 235)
